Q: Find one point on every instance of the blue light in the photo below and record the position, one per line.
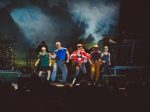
(32, 22)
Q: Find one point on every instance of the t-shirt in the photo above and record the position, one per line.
(61, 54)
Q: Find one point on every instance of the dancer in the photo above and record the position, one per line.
(106, 62)
(95, 64)
(62, 57)
(44, 62)
(80, 57)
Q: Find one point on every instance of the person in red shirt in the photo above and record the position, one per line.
(80, 57)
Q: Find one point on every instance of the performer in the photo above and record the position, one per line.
(95, 61)
(80, 57)
(106, 61)
(43, 62)
(62, 57)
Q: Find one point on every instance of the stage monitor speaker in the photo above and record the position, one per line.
(9, 75)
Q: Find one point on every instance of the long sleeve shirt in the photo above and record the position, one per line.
(80, 56)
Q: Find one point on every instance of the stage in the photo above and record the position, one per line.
(120, 77)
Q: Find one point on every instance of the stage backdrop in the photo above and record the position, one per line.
(25, 23)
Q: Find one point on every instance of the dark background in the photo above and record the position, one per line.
(134, 25)
(134, 17)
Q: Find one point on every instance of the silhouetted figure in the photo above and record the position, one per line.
(42, 44)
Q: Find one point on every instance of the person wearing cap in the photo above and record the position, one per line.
(44, 62)
(61, 54)
(95, 60)
(80, 57)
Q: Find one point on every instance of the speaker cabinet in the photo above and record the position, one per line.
(9, 75)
